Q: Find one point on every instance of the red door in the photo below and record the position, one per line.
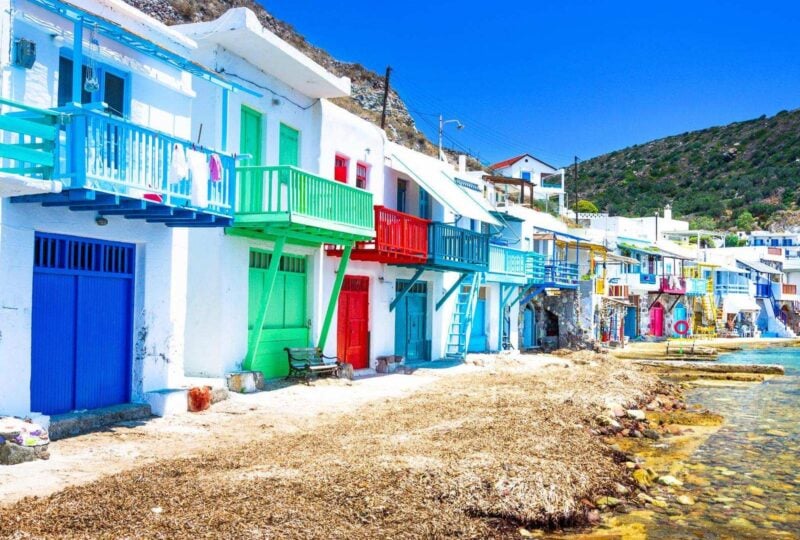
(352, 340)
(657, 320)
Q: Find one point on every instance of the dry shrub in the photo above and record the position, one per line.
(473, 457)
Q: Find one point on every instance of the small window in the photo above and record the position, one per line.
(362, 171)
(340, 169)
(402, 186)
(526, 175)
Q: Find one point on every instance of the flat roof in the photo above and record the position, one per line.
(239, 31)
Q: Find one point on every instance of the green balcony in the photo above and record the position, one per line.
(284, 201)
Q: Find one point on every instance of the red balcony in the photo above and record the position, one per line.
(774, 251)
(673, 285)
(400, 239)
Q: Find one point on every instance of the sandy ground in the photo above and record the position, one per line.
(285, 408)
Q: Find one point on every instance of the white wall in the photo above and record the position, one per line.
(159, 295)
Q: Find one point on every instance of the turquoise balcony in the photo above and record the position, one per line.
(284, 200)
(111, 166)
(507, 265)
(560, 274)
(457, 249)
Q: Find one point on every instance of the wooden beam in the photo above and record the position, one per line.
(269, 284)
(400, 296)
(451, 290)
(334, 299)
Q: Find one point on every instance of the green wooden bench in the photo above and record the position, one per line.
(306, 362)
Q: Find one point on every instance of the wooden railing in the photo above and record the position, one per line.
(788, 288)
(286, 190)
(648, 279)
(507, 261)
(763, 290)
(534, 267)
(774, 251)
(733, 288)
(28, 140)
(561, 272)
(696, 286)
(672, 285)
(111, 154)
(455, 247)
(618, 291)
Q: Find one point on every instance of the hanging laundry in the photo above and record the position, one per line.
(215, 168)
(178, 168)
(198, 167)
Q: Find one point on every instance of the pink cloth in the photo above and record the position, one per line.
(215, 168)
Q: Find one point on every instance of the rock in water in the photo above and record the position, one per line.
(636, 414)
(669, 481)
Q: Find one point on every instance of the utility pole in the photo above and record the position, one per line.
(385, 95)
(575, 187)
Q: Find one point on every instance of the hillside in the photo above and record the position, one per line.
(366, 98)
(718, 172)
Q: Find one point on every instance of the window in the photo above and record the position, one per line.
(340, 168)
(113, 87)
(362, 171)
(424, 204)
(526, 175)
(402, 187)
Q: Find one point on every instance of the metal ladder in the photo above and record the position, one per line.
(461, 324)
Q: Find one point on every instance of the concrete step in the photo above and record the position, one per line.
(75, 423)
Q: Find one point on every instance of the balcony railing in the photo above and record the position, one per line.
(618, 291)
(696, 286)
(286, 194)
(763, 290)
(505, 261)
(672, 285)
(114, 155)
(561, 273)
(399, 238)
(788, 288)
(733, 288)
(452, 247)
(29, 140)
(89, 150)
(774, 251)
(534, 267)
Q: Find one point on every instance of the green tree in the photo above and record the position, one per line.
(731, 240)
(745, 221)
(703, 223)
(587, 207)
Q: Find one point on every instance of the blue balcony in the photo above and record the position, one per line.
(647, 279)
(732, 288)
(534, 268)
(456, 249)
(507, 265)
(112, 166)
(560, 274)
(763, 290)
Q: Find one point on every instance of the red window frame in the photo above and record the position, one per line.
(362, 175)
(340, 165)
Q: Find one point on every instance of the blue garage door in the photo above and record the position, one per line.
(82, 323)
(411, 322)
(477, 339)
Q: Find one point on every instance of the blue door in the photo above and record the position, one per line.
(411, 322)
(679, 314)
(477, 338)
(631, 328)
(81, 323)
(528, 326)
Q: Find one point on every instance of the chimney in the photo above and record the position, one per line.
(462, 163)
(668, 213)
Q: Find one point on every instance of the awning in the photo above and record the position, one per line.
(726, 268)
(760, 267)
(735, 303)
(429, 174)
(614, 258)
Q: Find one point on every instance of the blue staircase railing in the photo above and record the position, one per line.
(461, 323)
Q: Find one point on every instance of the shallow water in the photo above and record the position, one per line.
(745, 479)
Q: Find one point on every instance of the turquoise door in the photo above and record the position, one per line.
(528, 325)
(477, 338)
(631, 328)
(679, 314)
(411, 322)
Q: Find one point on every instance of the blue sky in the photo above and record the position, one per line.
(559, 79)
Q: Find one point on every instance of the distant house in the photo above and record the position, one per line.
(546, 179)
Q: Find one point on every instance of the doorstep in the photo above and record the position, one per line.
(76, 423)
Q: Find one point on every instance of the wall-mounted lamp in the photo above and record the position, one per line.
(102, 221)
(276, 102)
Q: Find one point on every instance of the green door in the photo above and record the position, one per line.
(289, 148)
(251, 141)
(286, 324)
